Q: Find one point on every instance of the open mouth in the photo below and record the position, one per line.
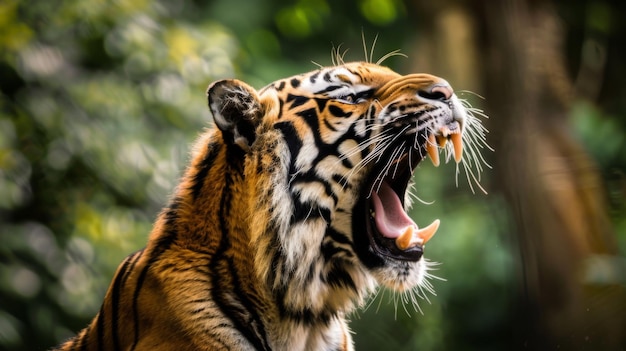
(390, 230)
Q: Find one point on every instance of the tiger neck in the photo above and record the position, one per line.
(214, 209)
(227, 214)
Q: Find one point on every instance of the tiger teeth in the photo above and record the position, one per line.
(431, 148)
(413, 236)
(442, 141)
(435, 142)
(403, 242)
(458, 146)
(427, 233)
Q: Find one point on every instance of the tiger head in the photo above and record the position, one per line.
(327, 159)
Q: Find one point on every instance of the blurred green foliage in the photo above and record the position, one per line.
(99, 103)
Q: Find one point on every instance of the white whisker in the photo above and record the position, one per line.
(391, 54)
(474, 140)
(414, 196)
(400, 152)
(372, 299)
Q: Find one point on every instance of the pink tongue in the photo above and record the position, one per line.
(391, 220)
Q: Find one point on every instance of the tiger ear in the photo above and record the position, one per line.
(236, 111)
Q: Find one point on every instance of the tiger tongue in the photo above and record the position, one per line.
(392, 221)
(390, 218)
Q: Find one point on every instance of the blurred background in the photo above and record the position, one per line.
(100, 100)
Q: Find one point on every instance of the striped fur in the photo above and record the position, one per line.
(261, 247)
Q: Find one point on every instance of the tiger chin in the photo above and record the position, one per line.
(291, 212)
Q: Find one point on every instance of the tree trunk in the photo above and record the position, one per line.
(513, 49)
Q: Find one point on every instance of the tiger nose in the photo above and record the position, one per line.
(440, 92)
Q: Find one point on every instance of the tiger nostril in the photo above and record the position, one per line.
(438, 92)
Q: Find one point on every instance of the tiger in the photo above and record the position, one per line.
(290, 214)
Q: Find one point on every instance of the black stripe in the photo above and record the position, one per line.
(321, 103)
(328, 125)
(100, 326)
(305, 316)
(337, 236)
(281, 103)
(392, 107)
(329, 89)
(280, 86)
(338, 112)
(223, 297)
(203, 168)
(293, 141)
(82, 343)
(306, 211)
(170, 213)
(311, 176)
(135, 257)
(329, 250)
(310, 116)
(314, 76)
(162, 244)
(338, 277)
(297, 100)
(365, 94)
(341, 180)
(116, 290)
(258, 335)
(274, 251)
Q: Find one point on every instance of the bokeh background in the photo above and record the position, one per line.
(100, 100)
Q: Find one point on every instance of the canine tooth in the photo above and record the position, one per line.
(431, 148)
(426, 233)
(442, 141)
(458, 146)
(403, 242)
(413, 236)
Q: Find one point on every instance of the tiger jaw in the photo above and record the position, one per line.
(391, 232)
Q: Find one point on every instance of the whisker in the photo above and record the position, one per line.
(395, 154)
(474, 140)
(459, 92)
(412, 195)
(419, 292)
(364, 45)
(372, 299)
(381, 300)
(391, 54)
(373, 46)
(317, 64)
(401, 151)
(381, 175)
(381, 144)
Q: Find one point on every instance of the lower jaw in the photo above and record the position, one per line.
(387, 248)
(371, 253)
